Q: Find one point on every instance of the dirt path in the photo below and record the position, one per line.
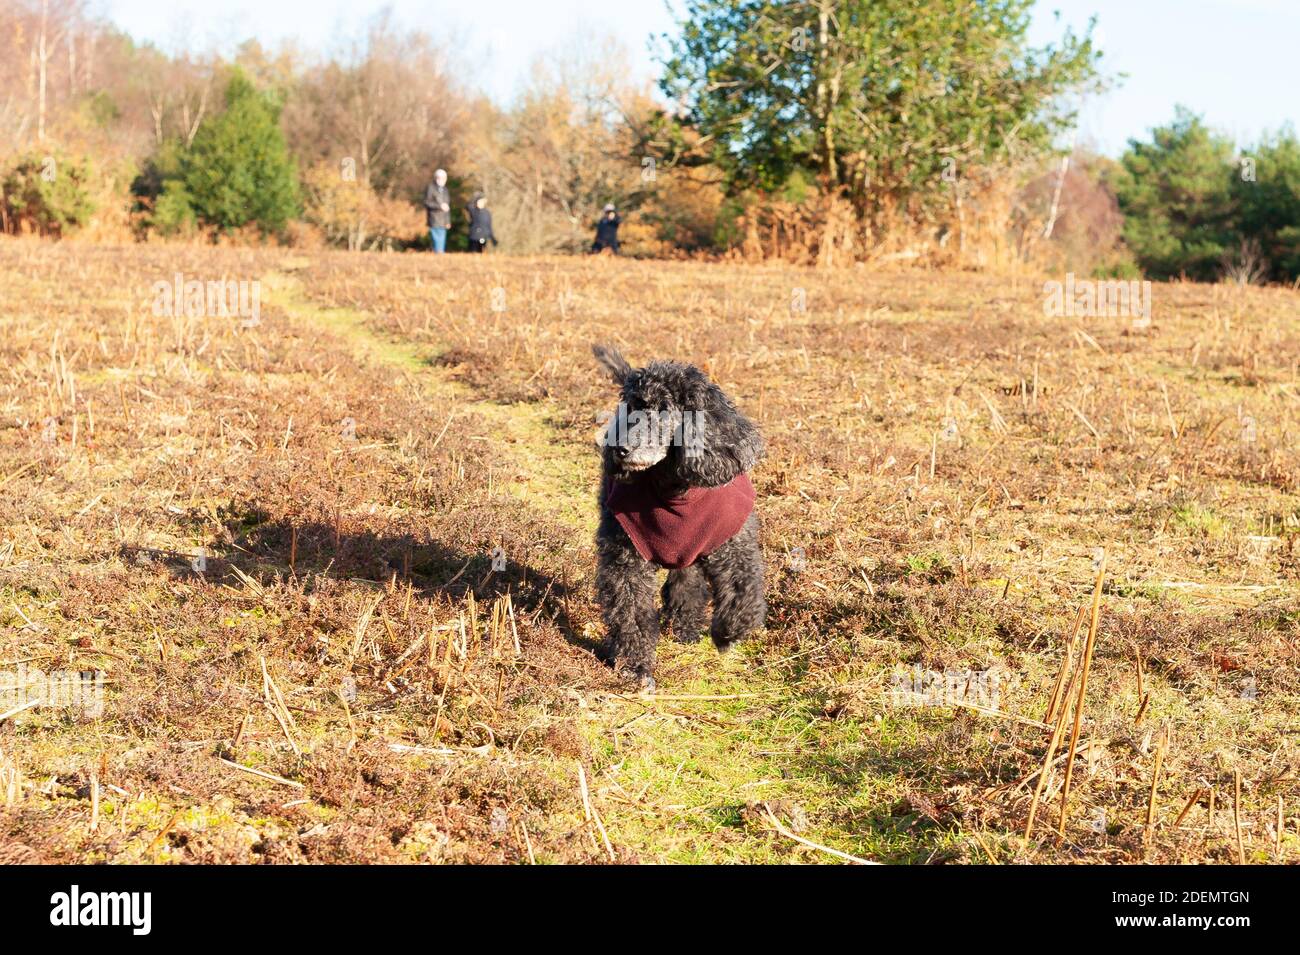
(547, 461)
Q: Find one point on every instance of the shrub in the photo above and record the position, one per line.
(48, 195)
(350, 213)
(173, 212)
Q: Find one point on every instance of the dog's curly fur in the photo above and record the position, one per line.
(732, 574)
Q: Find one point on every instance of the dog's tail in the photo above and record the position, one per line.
(614, 363)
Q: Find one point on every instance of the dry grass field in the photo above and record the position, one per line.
(350, 674)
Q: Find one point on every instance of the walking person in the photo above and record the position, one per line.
(607, 231)
(480, 224)
(437, 210)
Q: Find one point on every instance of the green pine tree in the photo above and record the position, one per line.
(1176, 193)
(238, 171)
(1268, 198)
(882, 100)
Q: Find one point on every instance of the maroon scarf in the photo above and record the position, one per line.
(675, 532)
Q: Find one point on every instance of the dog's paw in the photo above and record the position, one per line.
(639, 678)
(643, 680)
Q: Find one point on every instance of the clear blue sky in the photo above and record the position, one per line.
(1234, 61)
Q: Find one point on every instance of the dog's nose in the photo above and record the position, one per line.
(621, 451)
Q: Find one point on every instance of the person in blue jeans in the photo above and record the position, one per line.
(437, 210)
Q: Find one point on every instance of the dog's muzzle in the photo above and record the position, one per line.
(641, 457)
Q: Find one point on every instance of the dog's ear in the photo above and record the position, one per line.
(718, 442)
(614, 364)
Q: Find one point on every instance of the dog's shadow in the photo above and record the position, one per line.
(257, 548)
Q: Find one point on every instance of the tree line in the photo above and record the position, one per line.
(824, 131)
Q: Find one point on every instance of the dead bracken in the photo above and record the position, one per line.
(335, 568)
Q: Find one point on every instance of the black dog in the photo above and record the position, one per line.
(675, 494)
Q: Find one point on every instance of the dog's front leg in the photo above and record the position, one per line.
(625, 586)
(735, 573)
(686, 599)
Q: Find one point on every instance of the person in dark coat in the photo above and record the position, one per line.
(437, 210)
(607, 231)
(480, 224)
